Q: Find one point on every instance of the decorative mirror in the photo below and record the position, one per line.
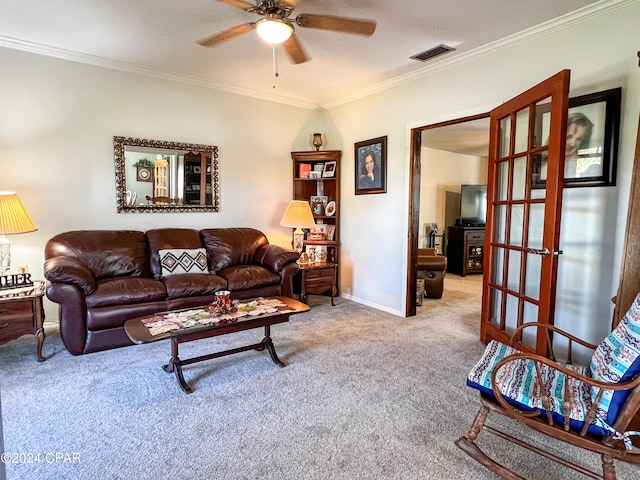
(159, 176)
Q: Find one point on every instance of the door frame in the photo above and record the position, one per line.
(414, 204)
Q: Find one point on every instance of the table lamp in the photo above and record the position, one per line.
(14, 218)
(298, 215)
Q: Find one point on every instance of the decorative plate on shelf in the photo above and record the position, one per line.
(330, 209)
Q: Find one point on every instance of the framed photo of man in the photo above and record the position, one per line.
(371, 166)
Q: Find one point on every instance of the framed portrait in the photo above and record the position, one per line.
(371, 166)
(329, 169)
(593, 131)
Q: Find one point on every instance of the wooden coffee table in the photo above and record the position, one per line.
(138, 332)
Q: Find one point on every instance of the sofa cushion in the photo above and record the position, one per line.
(126, 291)
(107, 253)
(227, 247)
(193, 285)
(617, 359)
(246, 277)
(176, 261)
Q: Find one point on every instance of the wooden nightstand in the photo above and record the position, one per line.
(21, 315)
(318, 278)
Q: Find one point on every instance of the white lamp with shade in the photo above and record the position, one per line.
(298, 215)
(14, 218)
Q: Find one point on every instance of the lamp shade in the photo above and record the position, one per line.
(298, 215)
(14, 217)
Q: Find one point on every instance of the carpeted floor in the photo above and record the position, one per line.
(364, 395)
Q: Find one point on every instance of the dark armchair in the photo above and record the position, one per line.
(432, 268)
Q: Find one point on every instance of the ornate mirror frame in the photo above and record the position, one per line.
(119, 144)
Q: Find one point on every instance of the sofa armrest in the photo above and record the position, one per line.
(71, 271)
(275, 257)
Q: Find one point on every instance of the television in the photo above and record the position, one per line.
(473, 205)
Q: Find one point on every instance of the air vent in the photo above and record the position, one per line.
(434, 52)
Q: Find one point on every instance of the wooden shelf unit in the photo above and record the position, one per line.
(304, 188)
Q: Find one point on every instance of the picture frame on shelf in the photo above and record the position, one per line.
(318, 204)
(311, 252)
(593, 131)
(321, 254)
(196, 169)
(371, 166)
(330, 233)
(330, 209)
(317, 232)
(315, 174)
(329, 170)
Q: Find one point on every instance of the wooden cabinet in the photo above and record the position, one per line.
(20, 316)
(318, 278)
(316, 179)
(465, 250)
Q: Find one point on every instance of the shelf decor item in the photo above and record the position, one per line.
(317, 141)
(298, 215)
(14, 218)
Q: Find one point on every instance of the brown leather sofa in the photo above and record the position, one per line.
(102, 278)
(432, 268)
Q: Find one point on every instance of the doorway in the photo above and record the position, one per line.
(457, 140)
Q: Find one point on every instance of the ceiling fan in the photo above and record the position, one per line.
(275, 26)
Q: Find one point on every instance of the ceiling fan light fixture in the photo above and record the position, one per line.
(274, 30)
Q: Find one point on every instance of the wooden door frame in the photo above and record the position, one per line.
(629, 283)
(414, 204)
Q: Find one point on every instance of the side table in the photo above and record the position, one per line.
(318, 278)
(21, 315)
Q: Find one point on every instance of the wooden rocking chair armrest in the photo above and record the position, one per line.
(516, 334)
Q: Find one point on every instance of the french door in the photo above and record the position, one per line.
(524, 201)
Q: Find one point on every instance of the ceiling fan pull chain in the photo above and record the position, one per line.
(275, 65)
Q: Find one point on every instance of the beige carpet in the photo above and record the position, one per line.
(364, 395)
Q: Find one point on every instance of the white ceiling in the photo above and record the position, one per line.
(157, 37)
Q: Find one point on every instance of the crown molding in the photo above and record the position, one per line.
(70, 55)
(543, 29)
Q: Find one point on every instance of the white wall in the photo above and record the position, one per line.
(57, 123)
(443, 172)
(601, 52)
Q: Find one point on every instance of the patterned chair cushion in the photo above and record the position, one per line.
(617, 359)
(176, 261)
(517, 382)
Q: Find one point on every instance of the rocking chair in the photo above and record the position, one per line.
(590, 407)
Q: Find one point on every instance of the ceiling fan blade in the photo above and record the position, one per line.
(226, 35)
(238, 4)
(337, 24)
(290, 3)
(294, 50)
